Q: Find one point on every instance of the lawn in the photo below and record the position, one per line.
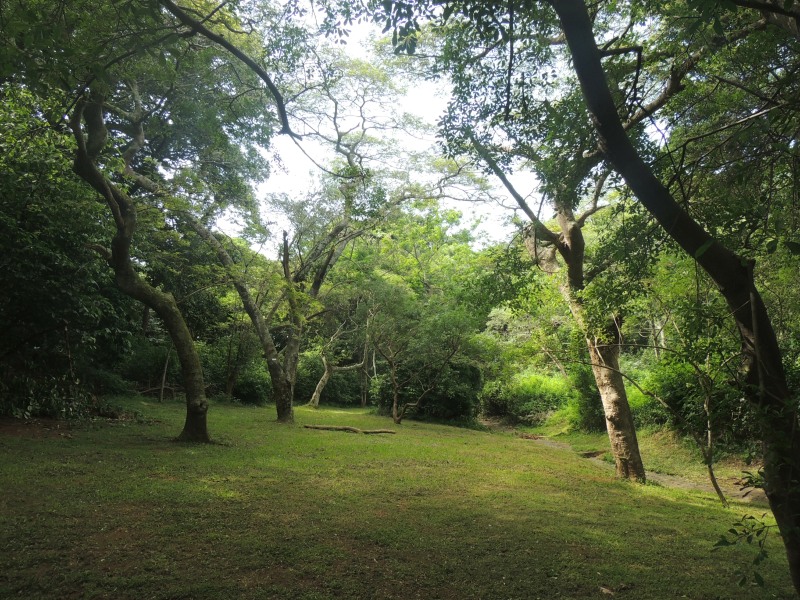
(118, 510)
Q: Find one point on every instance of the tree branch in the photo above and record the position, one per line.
(198, 26)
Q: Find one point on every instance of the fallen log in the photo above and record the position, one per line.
(348, 429)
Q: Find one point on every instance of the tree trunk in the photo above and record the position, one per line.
(571, 246)
(396, 416)
(282, 384)
(323, 381)
(123, 210)
(619, 420)
(283, 391)
(766, 387)
(364, 383)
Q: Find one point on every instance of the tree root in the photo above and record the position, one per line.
(348, 429)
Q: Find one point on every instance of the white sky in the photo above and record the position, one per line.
(297, 174)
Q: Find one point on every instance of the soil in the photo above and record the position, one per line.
(34, 428)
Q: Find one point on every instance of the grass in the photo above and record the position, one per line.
(662, 451)
(119, 510)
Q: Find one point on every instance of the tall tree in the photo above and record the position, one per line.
(133, 82)
(590, 36)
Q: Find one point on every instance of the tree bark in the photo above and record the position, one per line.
(123, 209)
(282, 386)
(766, 386)
(323, 381)
(571, 246)
(619, 420)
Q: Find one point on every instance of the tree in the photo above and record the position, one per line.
(124, 73)
(767, 387)
(63, 322)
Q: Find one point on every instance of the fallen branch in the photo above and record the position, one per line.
(348, 429)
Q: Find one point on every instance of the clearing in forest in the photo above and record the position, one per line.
(118, 510)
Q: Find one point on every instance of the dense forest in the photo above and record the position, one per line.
(649, 280)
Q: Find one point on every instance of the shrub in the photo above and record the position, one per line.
(254, 385)
(144, 365)
(678, 384)
(647, 411)
(584, 408)
(49, 396)
(455, 397)
(528, 397)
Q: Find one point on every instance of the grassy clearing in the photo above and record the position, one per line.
(662, 452)
(121, 511)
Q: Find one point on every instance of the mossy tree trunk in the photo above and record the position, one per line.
(89, 112)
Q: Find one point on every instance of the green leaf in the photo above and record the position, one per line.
(791, 246)
(772, 245)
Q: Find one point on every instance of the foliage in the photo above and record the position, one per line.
(62, 318)
(343, 389)
(529, 397)
(584, 409)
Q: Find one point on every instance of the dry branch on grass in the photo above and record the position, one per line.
(348, 429)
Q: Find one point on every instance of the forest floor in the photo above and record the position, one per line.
(669, 461)
(117, 510)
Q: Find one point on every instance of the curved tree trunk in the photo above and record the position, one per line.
(767, 388)
(323, 381)
(282, 384)
(123, 209)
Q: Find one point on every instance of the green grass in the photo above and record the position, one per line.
(272, 511)
(662, 452)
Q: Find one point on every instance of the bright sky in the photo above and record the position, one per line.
(428, 101)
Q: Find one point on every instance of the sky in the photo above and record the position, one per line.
(296, 174)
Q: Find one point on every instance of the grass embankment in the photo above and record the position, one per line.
(663, 451)
(120, 511)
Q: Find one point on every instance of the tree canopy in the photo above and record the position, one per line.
(649, 278)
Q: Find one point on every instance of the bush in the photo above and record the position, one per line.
(528, 397)
(678, 384)
(647, 411)
(103, 382)
(144, 365)
(584, 410)
(455, 397)
(254, 385)
(48, 396)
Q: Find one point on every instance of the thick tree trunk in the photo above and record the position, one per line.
(195, 428)
(123, 209)
(766, 388)
(619, 420)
